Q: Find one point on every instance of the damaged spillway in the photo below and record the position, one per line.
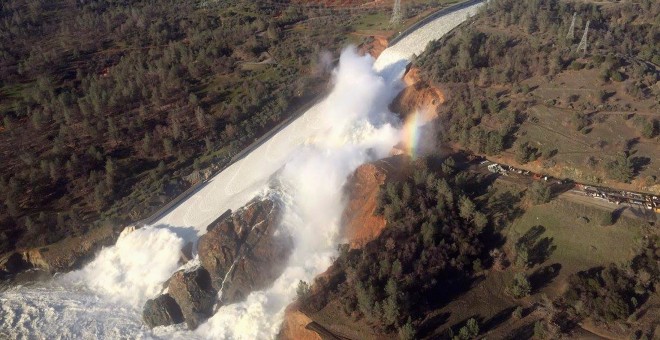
(247, 265)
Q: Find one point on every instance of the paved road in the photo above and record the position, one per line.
(577, 196)
(630, 210)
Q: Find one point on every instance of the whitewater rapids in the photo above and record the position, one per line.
(307, 163)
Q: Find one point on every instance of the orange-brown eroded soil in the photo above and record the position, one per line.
(418, 96)
(375, 47)
(294, 326)
(360, 222)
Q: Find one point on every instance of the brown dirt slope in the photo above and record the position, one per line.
(374, 47)
(418, 95)
(361, 225)
(294, 326)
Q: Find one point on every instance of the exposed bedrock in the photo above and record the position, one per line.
(163, 310)
(194, 294)
(242, 252)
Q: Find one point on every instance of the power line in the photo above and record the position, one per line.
(571, 30)
(396, 13)
(583, 43)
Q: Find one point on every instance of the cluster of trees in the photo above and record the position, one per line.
(616, 291)
(536, 43)
(105, 105)
(539, 193)
(511, 41)
(478, 122)
(621, 168)
(434, 244)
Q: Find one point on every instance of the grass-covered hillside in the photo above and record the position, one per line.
(518, 88)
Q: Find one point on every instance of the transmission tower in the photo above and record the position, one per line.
(571, 30)
(396, 13)
(583, 43)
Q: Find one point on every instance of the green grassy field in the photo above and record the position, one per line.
(580, 241)
(578, 245)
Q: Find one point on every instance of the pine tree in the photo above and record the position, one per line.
(109, 172)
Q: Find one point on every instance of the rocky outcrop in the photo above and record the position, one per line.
(241, 252)
(186, 253)
(161, 311)
(63, 256)
(194, 294)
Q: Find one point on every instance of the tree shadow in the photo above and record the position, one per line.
(608, 95)
(443, 295)
(477, 184)
(429, 325)
(530, 237)
(497, 319)
(630, 143)
(639, 163)
(616, 214)
(561, 187)
(541, 251)
(538, 249)
(522, 332)
(544, 276)
(506, 205)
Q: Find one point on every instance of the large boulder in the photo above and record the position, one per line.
(162, 311)
(243, 252)
(193, 292)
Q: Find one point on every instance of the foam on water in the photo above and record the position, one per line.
(309, 160)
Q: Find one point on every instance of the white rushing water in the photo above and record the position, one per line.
(309, 159)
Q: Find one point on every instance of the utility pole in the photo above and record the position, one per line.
(571, 30)
(583, 43)
(396, 13)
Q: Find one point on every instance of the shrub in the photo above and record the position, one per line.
(525, 153)
(576, 65)
(539, 330)
(620, 169)
(302, 291)
(520, 287)
(517, 313)
(407, 332)
(607, 218)
(469, 331)
(539, 193)
(616, 76)
(649, 128)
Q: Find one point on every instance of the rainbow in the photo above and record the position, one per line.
(412, 132)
